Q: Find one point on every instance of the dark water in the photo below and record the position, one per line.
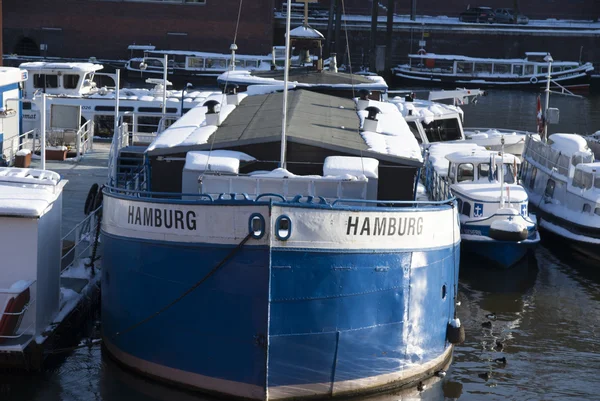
(547, 314)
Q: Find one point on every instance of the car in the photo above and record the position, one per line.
(508, 16)
(477, 14)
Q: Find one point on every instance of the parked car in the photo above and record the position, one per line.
(477, 14)
(507, 16)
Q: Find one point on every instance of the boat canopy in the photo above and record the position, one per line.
(48, 67)
(481, 156)
(568, 144)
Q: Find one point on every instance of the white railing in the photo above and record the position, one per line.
(26, 140)
(25, 316)
(84, 139)
(81, 239)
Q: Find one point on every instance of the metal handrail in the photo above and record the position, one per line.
(83, 231)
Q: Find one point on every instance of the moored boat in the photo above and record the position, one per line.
(287, 259)
(526, 73)
(493, 207)
(559, 176)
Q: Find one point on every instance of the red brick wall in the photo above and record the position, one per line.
(104, 28)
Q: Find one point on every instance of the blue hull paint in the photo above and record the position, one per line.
(274, 317)
(503, 254)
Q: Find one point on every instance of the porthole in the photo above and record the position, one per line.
(256, 225)
(283, 228)
(444, 291)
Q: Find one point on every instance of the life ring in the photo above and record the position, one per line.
(421, 52)
(533, 80)
(91, 199)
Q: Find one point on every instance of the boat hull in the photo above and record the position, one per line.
(276, 322)
(503, 254)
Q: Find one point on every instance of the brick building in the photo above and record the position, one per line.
(104, 28)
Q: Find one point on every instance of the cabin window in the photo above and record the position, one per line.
(45, 81)
(105, 124)
(148, 123)
(70, 81)
(415, 131)
(216, 63)
(465, 172)
(524, 170)
(466, 210)
(587, 208)
(195, 62)
(518, 69)
(581, 158)
(509, 173)
(464, 68)
(549, 192)
(451, 172)
(501, 68)
(483, 68)
(459, 204)
(26, 106)
(529, 69)
(596, 180)
(532, 179)
(484, 170)
(442, 130)
(597, 211)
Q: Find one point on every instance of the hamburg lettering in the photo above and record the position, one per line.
(157, 217)
(384, 226)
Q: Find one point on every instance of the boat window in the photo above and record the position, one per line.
(415, 131)
(442, 130)
(459, 204)
(587, 208)
(549, 192)
(26, 106)
(581, 158)
(596, 180)
(70, 81)
(466, 210)
(529, 69)
(45, 81)
(483, 68)
(451, 172)
(465, 68)
(252, 63)
(148, 123)
(582, 179)
(195, 62)
(154, 63)
(105, 124)
(484, 170)
(509, 173)
(542, 70)
(597, 211)
(524, 170)
(465, 172)
(518, 69)
(532, 179)
(112, 108)
(501, 68)
(216, 63)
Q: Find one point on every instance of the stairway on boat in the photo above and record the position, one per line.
(130, 163)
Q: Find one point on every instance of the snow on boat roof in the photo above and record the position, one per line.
(458, 57)
(306, 32)
(141, 47)
(588, 167)
(43, 65)
(28, 192)
(395, 137)
(568, 144)
(213, 55)
(356, 166)
(439, 150)
(489, 191)
(426, 110)
(480, 156)
(11, 75)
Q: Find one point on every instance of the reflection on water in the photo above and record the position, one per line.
(543, 315)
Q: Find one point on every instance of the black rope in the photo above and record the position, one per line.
(191, 289)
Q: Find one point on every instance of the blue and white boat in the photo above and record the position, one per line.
(493, 207)
(272, 257)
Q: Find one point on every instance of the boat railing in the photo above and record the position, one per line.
(544, 155)
(78, 242)
(119, 141)
(506, 131)
(436, 185)
(84, 139)
(18, 307)
(26, 140)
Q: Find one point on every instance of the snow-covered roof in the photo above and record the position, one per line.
(588, 167)
(492, 136)
(191, 129)
(425, 110)
(28, 192)
(49, 66)
(305, 32)
(439, 150)
(11, 75)
(211, 55)
(356, 166)
(141, 47)
(484, 190)
(568, 144)
(394, 136)
(480, 156)
(458, 57)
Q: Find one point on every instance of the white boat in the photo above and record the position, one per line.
(561, 178)
(458, 70)
(432, 121)
(494, 217)
(75, 84)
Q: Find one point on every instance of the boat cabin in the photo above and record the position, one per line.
(481, 165)
(67, 79)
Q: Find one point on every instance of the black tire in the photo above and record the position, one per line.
(91, 199)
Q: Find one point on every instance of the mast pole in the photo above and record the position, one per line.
(285, 82)
(548, 59)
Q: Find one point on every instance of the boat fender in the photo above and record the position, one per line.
(533, 80)
(455, 332)
(98, 199)
(502, 235)
(90, 200)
